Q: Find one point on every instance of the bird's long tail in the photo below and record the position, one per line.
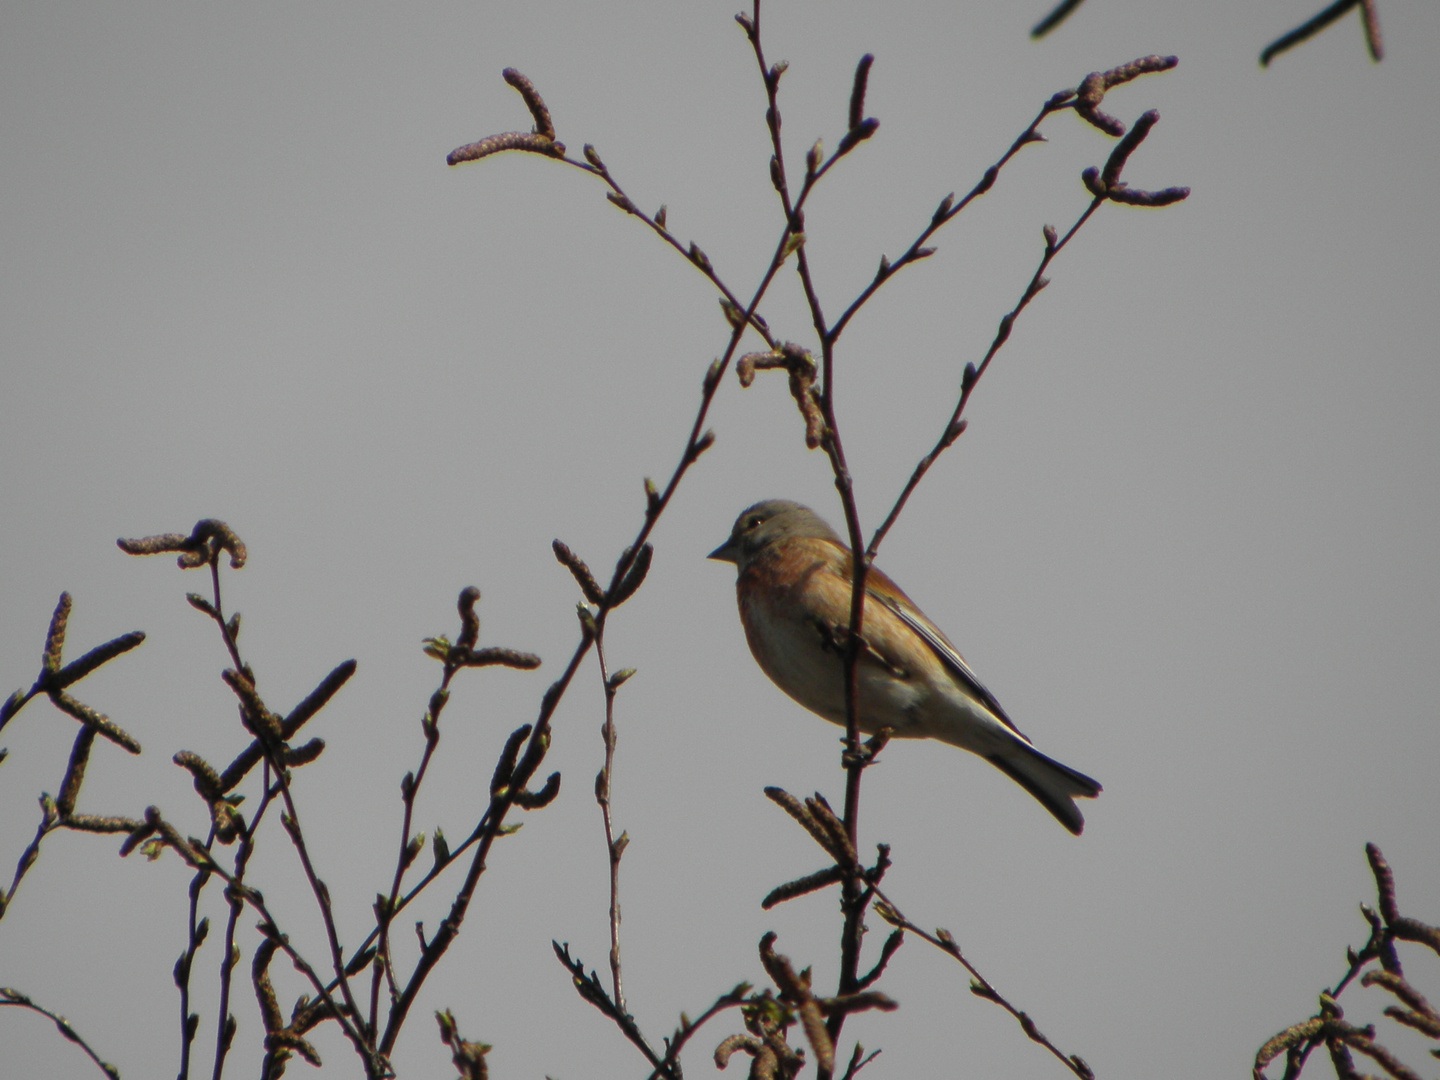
(1056, 786)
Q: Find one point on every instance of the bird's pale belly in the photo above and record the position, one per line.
(808, 667)
(811, 670)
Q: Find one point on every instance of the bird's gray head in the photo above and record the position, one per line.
(768, 522)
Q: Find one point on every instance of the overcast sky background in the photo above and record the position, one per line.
(1189, 539)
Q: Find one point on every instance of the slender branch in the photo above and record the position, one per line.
(1057, 15)
(688, 1028)
(291, 818)
(614, 848)
(16, 999)
(658, 224)
(1369, 20)
(657, 500)
(322, 898)
(1387, 926)
(49, 822)
(502, 799)
(851, 889)
(593, 165)
(235, 899)
(227, 630)
(59, 813)
(949, 209)
(981, 986)
(590, 989)
(794, 213)
(409, 791)
(197, 929)
(954, 427)
(196, 857)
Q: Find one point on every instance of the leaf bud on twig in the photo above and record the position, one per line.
(589, 628)
(55, 636)
(412, 849)
(535, 800)
(12, 706)
(469, 621)
(700, 445)
(583, 577)
(510, 140)
(857, 135)
(733, 315)
(544, 126)
(802, 886)
(622, 201)
(505, 765)
(634, 577)
(1007, 323)
(813, 157)
(102, 654)
(1126, 146)
(857, 90)
(303, 755)
(1136, 197)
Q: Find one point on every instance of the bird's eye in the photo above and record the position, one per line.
(753, 521)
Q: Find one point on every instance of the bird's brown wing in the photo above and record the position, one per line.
(890, 595)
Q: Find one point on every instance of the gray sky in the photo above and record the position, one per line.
(1189, 539)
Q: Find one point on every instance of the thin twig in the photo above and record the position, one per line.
(291, 818)
(590, 989)
(196, 928)
(409, 791)
(1327, 1027)
(195, 856)
(14, 998)
(741, 316)
(614, 848)
(954, 426)
(851, 889)
(1369, 20)
(235, 899)
(981, 986)
(1057, 15)
(688, 1028)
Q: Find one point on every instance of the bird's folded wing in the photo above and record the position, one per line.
(948, 655)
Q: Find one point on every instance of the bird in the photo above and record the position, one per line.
(793, 586)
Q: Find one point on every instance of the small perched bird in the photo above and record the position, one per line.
(793, 589)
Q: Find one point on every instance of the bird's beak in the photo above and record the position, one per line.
(726, 552)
